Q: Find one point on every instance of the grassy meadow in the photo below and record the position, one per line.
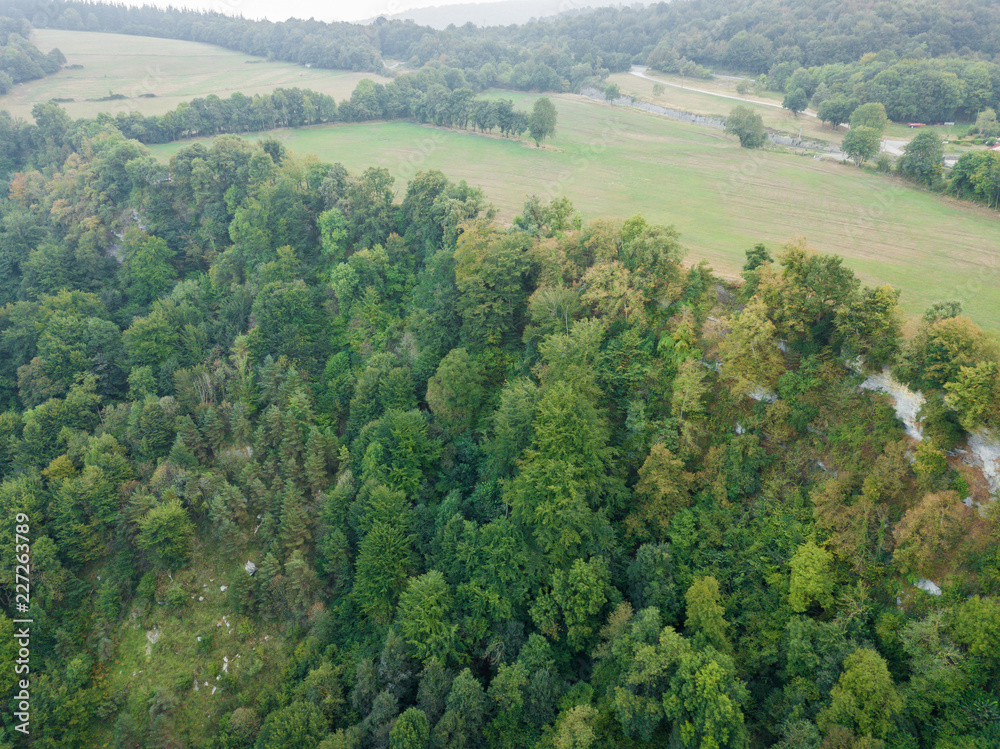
(203, 640)
(175, 71)
(617, 162)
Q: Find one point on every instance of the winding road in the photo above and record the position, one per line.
(893, 146)
(640, 71)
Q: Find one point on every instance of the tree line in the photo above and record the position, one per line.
(422, 97)
(975, 176)
(911, 90)
(20, 60)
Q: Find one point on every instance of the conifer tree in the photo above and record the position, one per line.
(316, 462)
(294, 533)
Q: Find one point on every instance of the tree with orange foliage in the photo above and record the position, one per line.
(661, 491)
(930, 532)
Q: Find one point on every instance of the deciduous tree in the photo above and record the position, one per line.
(165, 533)
(705, 617)
(751, 359)
(923, 159)
(864, 699)
(748, 126)
(870, 115)
(861, 143)
(542, 122)
(812, 578)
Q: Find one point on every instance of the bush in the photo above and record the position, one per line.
(205, 643)
(147, 586)
(176, 596)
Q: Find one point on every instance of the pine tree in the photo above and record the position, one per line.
(316, 462)
(242, 428)
(335, 553)
(302, 584)
(213, 426)
(273, 596)
(294, 533)
(181, 453)
(192, 438)
(461, 724)
(295, 420)
(425, 617)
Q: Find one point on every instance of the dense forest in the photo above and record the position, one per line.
(20, 60)
(928, 61)
(541, 485)
(545, 485)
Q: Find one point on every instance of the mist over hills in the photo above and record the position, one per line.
(494, 14)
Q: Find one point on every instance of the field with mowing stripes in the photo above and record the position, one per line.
(175, 71)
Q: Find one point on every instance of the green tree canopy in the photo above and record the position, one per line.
(165, 533)
(542, 121)
(795, 101)
(923, 159)
(864, 699)
(861, 143)
(870, 115)
(748, 126)
(812, 578)
(705, 618)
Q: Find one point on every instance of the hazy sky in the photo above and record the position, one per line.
(279, 10)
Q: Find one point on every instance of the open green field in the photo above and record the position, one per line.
(175, 71)
(617, 162)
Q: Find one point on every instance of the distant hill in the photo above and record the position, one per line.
(488, 14)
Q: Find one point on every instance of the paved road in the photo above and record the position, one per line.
(894, 147)
(640, 71)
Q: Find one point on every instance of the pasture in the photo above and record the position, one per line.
(172, 71)
(614, 161)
